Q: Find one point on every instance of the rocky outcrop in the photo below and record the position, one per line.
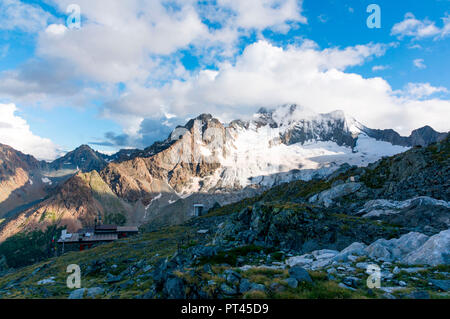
(380, 207)
(327, 197)
(425, 136)
(395, 249)
(421, 214)
(410, 249)
(300, 227)
(417, 172)
(355, 249)
(421, 137)
(435, 251)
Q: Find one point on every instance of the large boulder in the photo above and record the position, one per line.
(381, 249)
(443, 285)
(300, 274)
(422, 214)
(435, 251)
(77, 293)
(94, 292)
(408, 243)
(324, 254)
(355, 249)
(298, 261)
(379, 207)
(395, 249)
(328, 196)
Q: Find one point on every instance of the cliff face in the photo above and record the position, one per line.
(20, 179)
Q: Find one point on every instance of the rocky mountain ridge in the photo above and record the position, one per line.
(82, 158)
(212, 163)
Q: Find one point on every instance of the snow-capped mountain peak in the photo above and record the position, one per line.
(277, 145)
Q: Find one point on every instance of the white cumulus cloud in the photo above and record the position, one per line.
(420, 29)
(268, 75)
(419, 63)
(18, 15)
(420, 90)
(15, 132)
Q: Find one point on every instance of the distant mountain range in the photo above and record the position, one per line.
(204, 161)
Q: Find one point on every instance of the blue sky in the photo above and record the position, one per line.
(135, 69)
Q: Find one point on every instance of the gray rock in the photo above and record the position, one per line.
(362, 265)
(94, 292)
(328, 196)
(232, 277)
(257, 287)
(418, 295)
(333, 270)
(381, 249)
(47, 281)
(412, 270)
(298, 261)
(324, 253)
(409, 242)
(342, 285)
(322, 263)
(276, 287)
(77, 294)
(112, 279)
(292, 282)
(174, 288)
(244, 286)
(380, 207)
(357, 249)
(443, 285)
(386, 275)
(395, 249)
(300, 274)
(147, 268)
(227, 290)
(204, 251)
(351, 281)
(435, 251)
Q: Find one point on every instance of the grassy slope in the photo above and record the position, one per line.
(151, 247)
